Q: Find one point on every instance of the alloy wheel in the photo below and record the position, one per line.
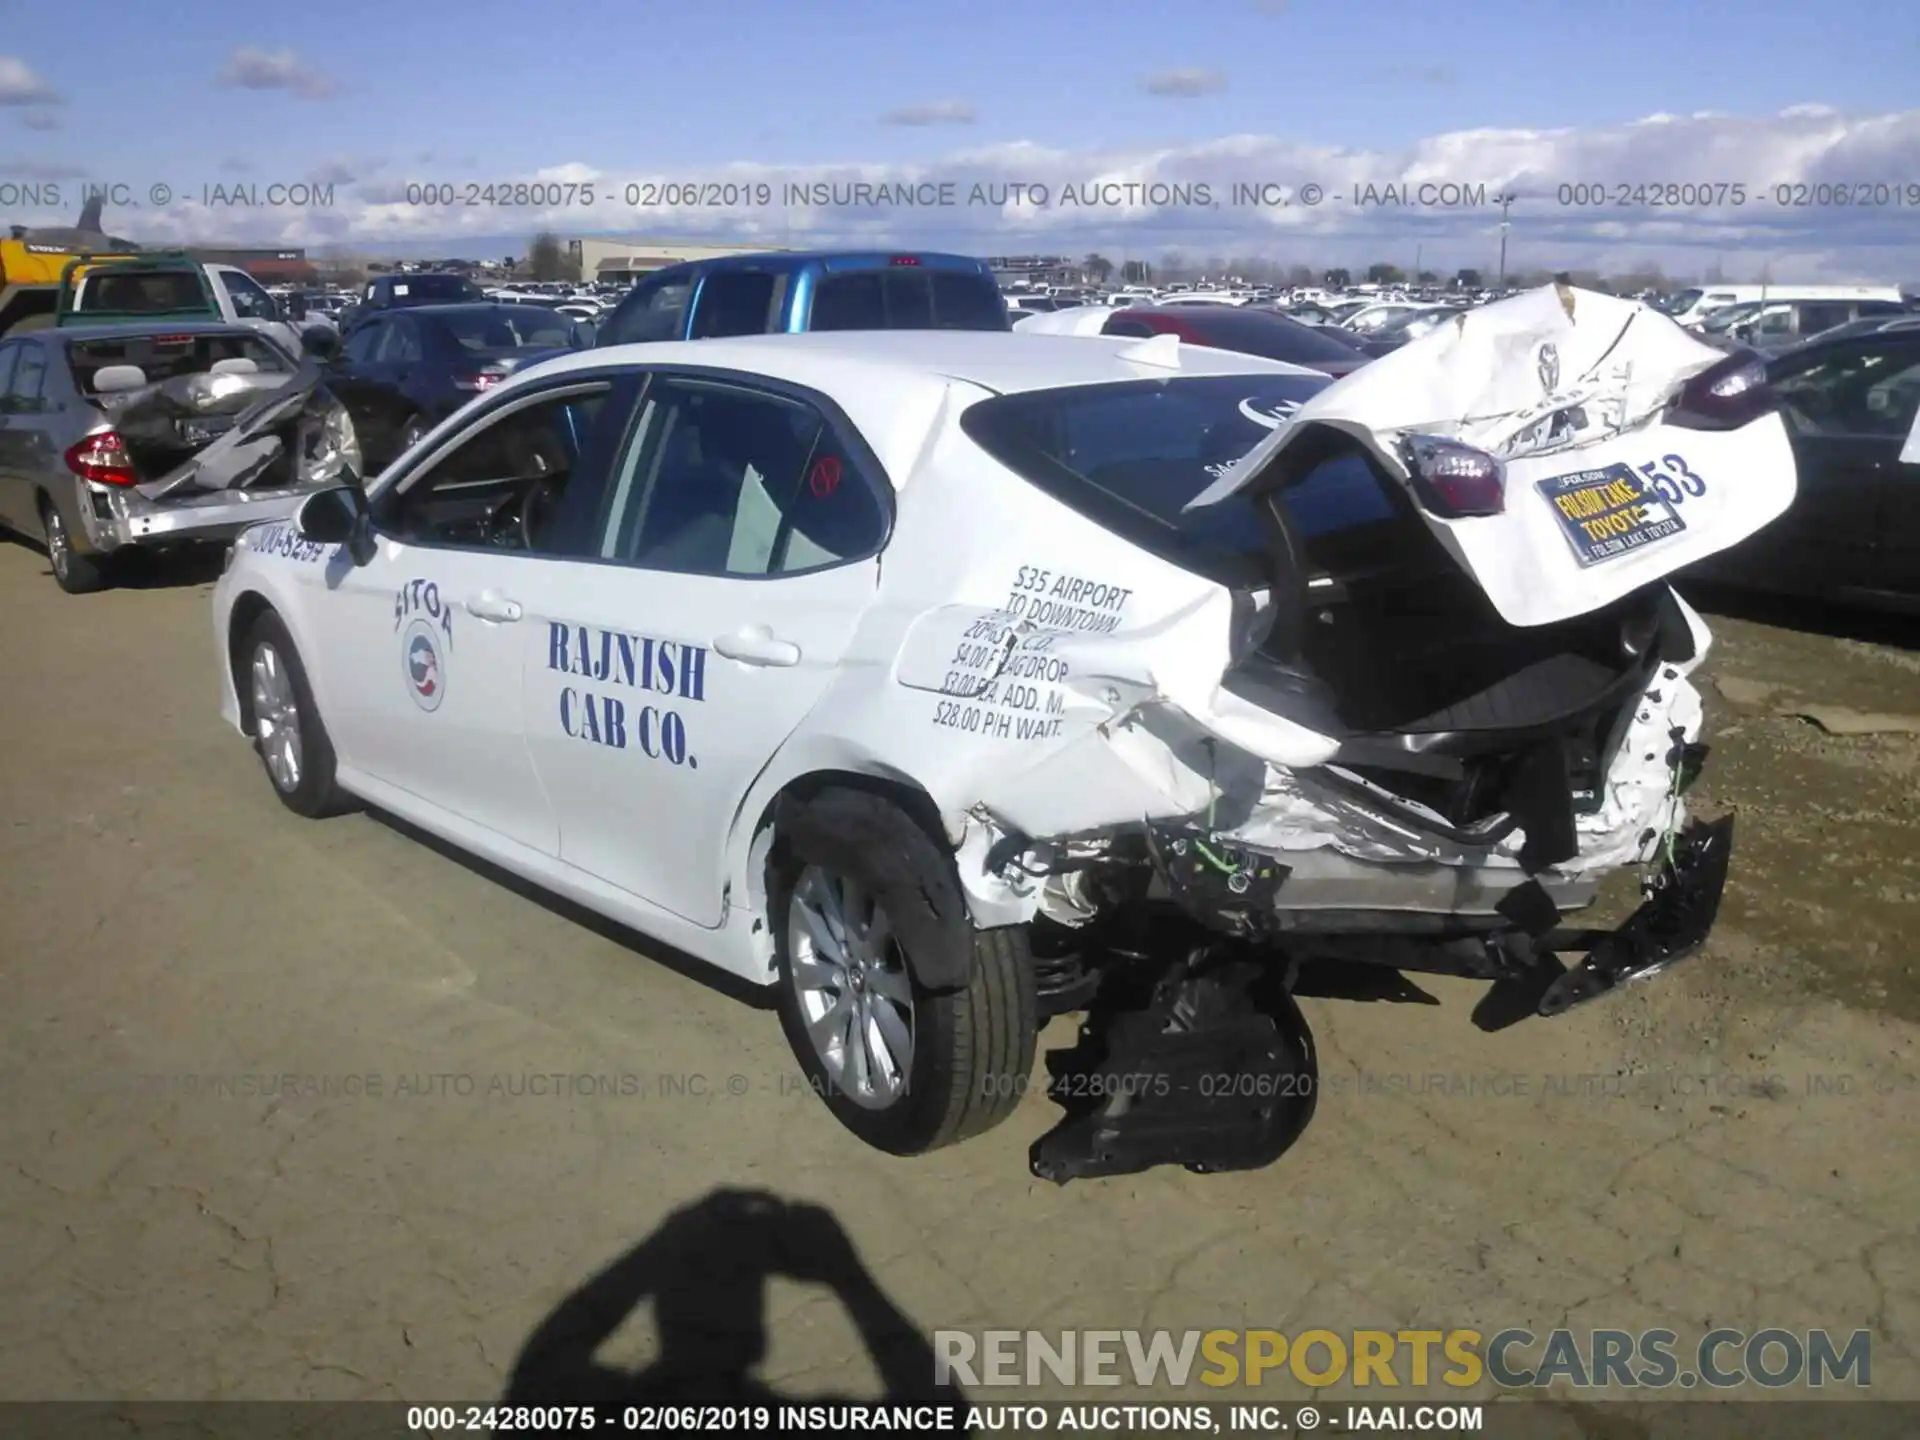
(276, 719)
(850, 978)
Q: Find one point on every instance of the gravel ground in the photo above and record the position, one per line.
(1731, 1144)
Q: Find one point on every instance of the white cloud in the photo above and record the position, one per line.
(939, 112)
(1210, 199)
(249, 68)
(20, 86)
(1184, 84)
(40, 119)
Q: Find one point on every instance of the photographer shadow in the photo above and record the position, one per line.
(705, 1270)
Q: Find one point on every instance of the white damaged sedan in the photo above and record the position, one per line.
(948, 681)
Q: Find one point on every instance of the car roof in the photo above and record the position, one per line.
(891, 383)
(1002, 361)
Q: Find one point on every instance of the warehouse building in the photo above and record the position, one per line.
(623, 260)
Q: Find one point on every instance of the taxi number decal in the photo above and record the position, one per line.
(1672, 479)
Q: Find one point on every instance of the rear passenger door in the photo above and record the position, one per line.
(16, 509)
(34, 425)
(705, 607)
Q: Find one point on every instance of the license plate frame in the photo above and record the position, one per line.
(1615, 491)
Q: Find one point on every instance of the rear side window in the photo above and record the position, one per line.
(722, 480)
(151, 293)
(735, 302)
(907, 298)
(1130, 456)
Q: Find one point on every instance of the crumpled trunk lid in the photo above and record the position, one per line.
(1570, 389)
(213, 432)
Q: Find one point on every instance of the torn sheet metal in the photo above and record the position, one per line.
(233, 429)
(1569, 388)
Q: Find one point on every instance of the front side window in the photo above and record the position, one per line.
(250, 301)
(363, 344)
(402, 345)
(721, 480)
(656, 310)
(506, 483)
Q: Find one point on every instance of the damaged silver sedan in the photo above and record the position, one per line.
(944, 682)
(122, 437)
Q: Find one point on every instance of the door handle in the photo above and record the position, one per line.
(490, 605)
(757, 645)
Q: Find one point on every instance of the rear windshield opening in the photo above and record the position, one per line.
(1131, 455)
(166, 357)
(908, 298)
(150, 294)
(508, 327)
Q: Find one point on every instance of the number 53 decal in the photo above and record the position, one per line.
(1672, 481)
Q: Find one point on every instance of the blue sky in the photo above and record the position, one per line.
(436, 91)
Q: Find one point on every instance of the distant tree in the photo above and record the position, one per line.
(1097, 268)
(1467, 279)
(1136, 272)
(1427, 277)
(1339, 279)
(547, 257)
(1173, 265)
(1299, 275)
(1385, 274)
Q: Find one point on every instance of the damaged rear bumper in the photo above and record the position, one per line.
(113, 521)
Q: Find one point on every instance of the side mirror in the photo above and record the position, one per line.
(1743, 332)
(322, 342)
(338, 515)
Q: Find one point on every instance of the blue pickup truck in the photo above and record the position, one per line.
(781, 292)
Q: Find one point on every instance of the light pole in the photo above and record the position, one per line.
(1505, 201)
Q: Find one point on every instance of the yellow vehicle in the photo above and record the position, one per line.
(33, 261)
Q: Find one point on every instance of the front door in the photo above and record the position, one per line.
(711, 598)
(426, 645)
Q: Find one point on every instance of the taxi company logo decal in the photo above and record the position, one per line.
(426, 623)
(1272, 416)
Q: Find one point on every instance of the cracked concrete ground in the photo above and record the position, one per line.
(1731, 1145)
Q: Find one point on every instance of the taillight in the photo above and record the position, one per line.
(102, 458)
(1455, 481)
(1726, 395)
(904, 260)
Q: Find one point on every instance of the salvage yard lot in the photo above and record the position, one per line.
(1731, 1144)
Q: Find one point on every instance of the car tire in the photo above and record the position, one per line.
(285, 723)
(74, 573)
(971, 1047)
(413, 430)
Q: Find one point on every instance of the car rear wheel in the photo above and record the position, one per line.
(906, 1067)
(287, 731)
(74, 573)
